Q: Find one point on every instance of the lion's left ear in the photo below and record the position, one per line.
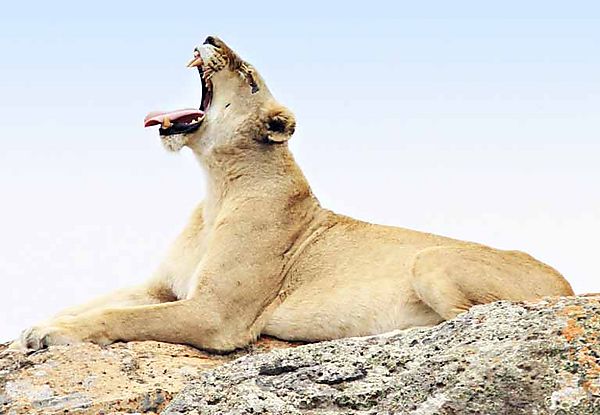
(281, 124)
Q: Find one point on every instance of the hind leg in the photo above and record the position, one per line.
(451, 280)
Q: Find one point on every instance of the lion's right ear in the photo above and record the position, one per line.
(281, 125)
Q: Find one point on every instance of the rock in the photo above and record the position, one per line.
(500, 358)
(140, 377)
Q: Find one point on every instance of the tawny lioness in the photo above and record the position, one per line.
(261, 256)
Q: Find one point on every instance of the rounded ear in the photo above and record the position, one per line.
(281, 124)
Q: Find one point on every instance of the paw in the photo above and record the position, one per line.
(11, 349)
(40, 337)
(15, 346)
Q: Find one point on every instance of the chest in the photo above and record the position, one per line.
(184, 260)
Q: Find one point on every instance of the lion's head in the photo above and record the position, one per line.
(237, 110)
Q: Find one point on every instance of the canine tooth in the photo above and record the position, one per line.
(196, 61)
(166, 123)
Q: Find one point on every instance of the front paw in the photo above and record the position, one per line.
(15, 346)
(42, 336)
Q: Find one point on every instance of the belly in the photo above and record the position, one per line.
(325, 311)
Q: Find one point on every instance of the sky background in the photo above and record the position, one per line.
(475, 120)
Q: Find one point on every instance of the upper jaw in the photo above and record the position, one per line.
(202, 54)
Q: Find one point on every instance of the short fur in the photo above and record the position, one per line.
(261, 256)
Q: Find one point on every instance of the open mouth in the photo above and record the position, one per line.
(187, 120)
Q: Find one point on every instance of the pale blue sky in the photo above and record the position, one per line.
(476, 120)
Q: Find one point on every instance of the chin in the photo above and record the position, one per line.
(174, 143)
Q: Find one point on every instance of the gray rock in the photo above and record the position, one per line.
(500, 358)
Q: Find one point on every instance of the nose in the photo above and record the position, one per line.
(211, 40)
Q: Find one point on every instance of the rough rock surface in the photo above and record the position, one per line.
(136, 377)
(500, 358)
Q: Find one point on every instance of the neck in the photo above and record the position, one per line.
(267, 176)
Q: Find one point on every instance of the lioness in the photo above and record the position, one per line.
(261, 256)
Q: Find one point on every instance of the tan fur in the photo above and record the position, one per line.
(261, 256)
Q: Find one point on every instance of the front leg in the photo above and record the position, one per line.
(234, 288)
(56, 328)
(188, 322)
(153, 293)
(71, 325)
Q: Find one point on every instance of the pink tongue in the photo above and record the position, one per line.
(185, 115)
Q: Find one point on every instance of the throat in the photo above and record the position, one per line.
(278, 186)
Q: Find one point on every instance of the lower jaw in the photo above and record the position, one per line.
(179, 128)
(174, 142)
(175, 137)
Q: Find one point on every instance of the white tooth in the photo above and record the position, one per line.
(166, 123)
(194, 62)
